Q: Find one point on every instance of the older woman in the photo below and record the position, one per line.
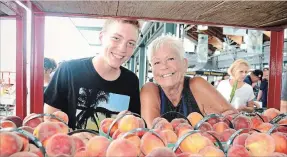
(235, 90)
(174, 91)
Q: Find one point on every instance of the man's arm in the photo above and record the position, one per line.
(259, 96)
(55, 95)
(150, 103)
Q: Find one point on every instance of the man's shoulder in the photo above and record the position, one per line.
(77, 61)
(127, 74)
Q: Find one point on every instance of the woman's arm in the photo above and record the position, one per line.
(248, 108)
(150, 103)
(209, 100)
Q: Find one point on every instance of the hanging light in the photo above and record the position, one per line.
(202, 27)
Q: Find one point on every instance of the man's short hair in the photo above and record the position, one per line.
(132, 22)
(258, 73)
(49, 63)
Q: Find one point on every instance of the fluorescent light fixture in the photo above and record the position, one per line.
(202, 27)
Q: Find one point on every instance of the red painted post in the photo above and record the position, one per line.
(276, 62)
(21, 82)
(37, 60)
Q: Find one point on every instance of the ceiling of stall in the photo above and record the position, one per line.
(241, 13)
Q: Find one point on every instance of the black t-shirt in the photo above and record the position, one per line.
(78, 90)
(264, 88)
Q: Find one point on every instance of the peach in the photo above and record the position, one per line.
(80, 145)
(169, 135)
(211, 151)
(282, 129)
(121, 148)
(210, 137)
(194, 143)
(62, 115)
(97, 146)
(36, 151)
(283, 121)
(82, 154)
(15, 119)
(175, 122)
(105, 125)
(264, 127)
(33, 123)
(205, 127)
(280, 142)
(185, 154)
(10, 143)
(27, 128)
(195, 155)
(127, 123)
(256, 121)
(45, 130)
(24, 154)
(135, 140)
(60, 144)
(125, 112)
(238, 151)
(240, 139)
(271, 113)
(213, 120)
(116, 134)
(220, 127)
(260, 144)
(141, 122)
(63, 127)
(25, 141)
(265, 118)
(194, 118)
(7, 124)
(161, 152)
(225, 135)
(150, 141)
(157, 120)
(241, 122)
(181, 127)
(163, 125)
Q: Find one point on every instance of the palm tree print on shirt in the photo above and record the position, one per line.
(87, 102)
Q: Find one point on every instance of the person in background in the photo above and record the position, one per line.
(174, 91)
(212, 83)
(91, 89)
(235, 90)
(254, 77)
(49, 66)
(263, 91)
(225, 76)
(283, 107)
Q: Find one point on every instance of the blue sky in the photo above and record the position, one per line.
(116, 102)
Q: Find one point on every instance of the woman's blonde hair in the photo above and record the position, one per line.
(235, 65)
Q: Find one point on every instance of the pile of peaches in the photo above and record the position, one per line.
(126, 135)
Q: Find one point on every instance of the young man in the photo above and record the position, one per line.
(91, 89)
(254, 77)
